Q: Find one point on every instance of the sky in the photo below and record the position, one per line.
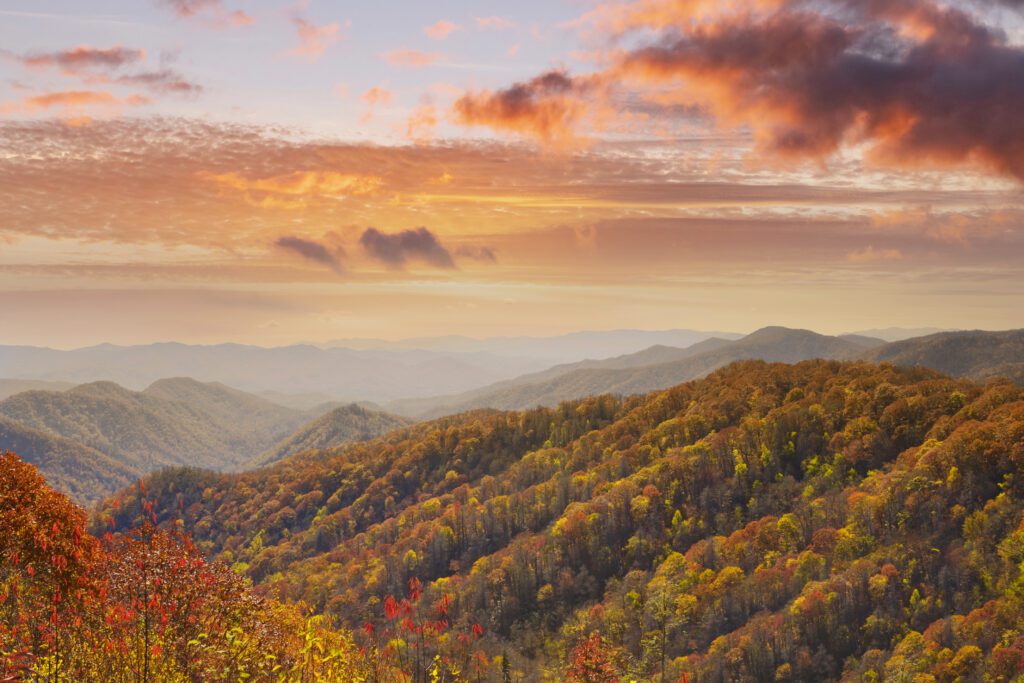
(271, 172)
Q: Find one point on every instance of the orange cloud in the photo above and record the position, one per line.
(72, 101)
(215, 14)
(414, 58)
(377, 95)
(494, 23)
(421, 123)
(902, 82)
(549, 107)
(621, 17)
(441, 29)
(300, 183)
(871, 255)
(84, 58)
(313, 39)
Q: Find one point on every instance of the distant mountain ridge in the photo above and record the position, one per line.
(649, 370)
(342, 374)
(564, 348)
(376, 371)
(977, 355)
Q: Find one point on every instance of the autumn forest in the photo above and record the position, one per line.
(471, 341)
(821, 521)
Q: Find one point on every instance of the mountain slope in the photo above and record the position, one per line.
(817, 522)
(262, 420)
(339, 426)
(146, 431)
(84, 473)
(654, 368)
(977, 355)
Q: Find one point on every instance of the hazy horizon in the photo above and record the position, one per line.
(430, 342)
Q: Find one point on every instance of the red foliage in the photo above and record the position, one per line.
(592, 662)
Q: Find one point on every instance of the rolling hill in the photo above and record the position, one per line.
(339, 426)
(975, 354)
(823, 521)
(121, 434)
(85, 474)
(654, 368)
(175, 422)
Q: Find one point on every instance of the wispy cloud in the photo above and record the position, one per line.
(421, 123)
(313, 39)
(440, 30)
(871, 255)
(211, 12)
(494, 23)
(293, 190)
(105, 66)
(78, 60)
(377, 95)
(75, 102)
(414, 58)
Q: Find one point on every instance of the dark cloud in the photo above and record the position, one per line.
(79, 59)
(548, 106)
(395, 249)
(917, 82)
(312, 251)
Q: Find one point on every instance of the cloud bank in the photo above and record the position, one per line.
(906, 81)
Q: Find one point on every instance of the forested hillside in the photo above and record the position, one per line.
(976, 355)
(83, 473)
(823, 521)
(148, 430)
(340, 426)
(96, 438)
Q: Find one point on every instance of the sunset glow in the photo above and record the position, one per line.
(265, 172)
